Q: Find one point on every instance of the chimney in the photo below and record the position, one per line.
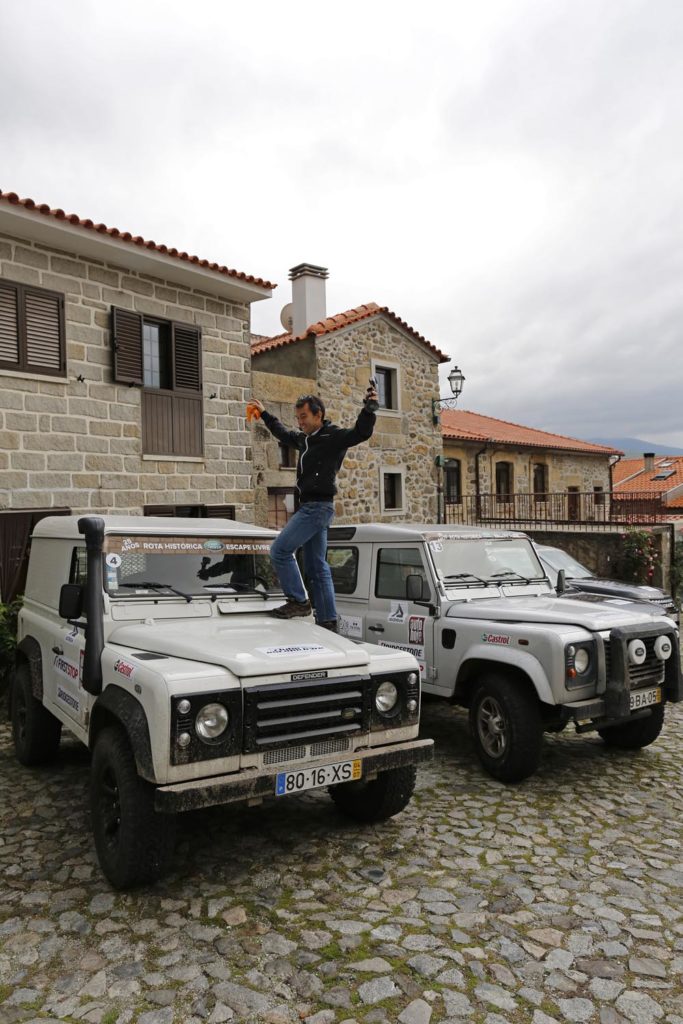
(308, 296)
(649, 461)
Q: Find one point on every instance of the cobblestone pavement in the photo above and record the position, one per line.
(556, 900)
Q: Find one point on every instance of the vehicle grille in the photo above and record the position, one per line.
(303, 712)
(649, 673)
(321, 749)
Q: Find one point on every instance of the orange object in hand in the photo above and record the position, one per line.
(253, 412)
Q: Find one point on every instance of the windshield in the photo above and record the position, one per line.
(465, 562)
(558, 559)
(188, 566)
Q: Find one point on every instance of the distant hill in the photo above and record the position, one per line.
(633, 446)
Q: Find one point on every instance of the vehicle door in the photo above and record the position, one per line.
(393, 620)
(65, 666)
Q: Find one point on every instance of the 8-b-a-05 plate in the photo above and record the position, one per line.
(644, 698)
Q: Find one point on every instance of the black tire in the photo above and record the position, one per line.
(379, 799)
(637, 734)
(505, 720)
(35, 731)
(134, 843)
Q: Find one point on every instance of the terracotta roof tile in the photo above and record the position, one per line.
(125, 236)
(336, 323)
(460, 425)
(631, 475)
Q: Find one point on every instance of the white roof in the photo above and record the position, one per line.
(376, 532)
(159, 526)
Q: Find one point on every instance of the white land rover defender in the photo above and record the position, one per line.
(149, 639)
(476, 609)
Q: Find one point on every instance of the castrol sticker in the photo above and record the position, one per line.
(496, 638)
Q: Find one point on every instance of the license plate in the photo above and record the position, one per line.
(644, 698)
(313, 778)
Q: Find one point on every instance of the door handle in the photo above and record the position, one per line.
(376, 629)
(57, 650)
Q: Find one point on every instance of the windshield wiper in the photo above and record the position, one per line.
(464, 576)
(157, 586)
(240, 588)
(510, 572)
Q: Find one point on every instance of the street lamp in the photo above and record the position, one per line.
(456, 379)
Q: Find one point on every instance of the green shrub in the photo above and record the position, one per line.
(8, 639)
(640, 556)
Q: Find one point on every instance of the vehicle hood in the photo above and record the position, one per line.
(252, 646)
(617, 588)
(561, 611)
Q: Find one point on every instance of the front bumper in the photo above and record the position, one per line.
(254, 784)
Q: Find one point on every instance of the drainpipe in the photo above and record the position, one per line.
(477, 480)
(93, 529)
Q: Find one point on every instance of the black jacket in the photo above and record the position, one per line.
(321, 454)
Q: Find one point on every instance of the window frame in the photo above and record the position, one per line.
(452, 466)
(397, 471)
(380, 366)
(22, 365)
(540, 493)
(274, 492)
(400, 564)
(349, 587)
(505, 497)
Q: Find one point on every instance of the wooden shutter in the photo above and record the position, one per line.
(9, 325)
(158, 510)
(127, 340)
(220, 511)
(43, 315)
(187, 362)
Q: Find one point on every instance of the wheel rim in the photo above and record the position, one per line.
(110, 808)
(492, 727)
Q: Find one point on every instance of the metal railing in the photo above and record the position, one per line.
(584, 509)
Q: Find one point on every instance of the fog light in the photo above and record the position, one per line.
(184, 707)
(663, 648)
(184, 739)
(637, 652)
(412, 706)
(412, 678)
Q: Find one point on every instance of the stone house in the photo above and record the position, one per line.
(124, 370)
(395, 474)
(493, 469)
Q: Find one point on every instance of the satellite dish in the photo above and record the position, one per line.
(287, 316)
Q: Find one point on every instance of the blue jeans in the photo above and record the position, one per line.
(307, 529)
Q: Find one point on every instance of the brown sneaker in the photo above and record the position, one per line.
(292, 609)
(330, 624)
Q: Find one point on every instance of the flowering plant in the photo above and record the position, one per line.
(640, 556)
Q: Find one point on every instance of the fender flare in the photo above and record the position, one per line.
(30, 649)
(513, 659)
(114, 702)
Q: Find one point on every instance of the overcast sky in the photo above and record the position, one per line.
(506, 176)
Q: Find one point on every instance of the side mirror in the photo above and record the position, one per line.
(70, 601)
(561, 581)
(414, 587)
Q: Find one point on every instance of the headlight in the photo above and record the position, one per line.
(211, 721)
(386, 697)
(581, 660)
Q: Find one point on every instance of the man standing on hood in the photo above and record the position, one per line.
(322, 447)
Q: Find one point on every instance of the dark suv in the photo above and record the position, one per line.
(579, 578)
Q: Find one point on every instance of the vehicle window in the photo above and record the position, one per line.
(461, 561)
(394, 566)
(343, 564)
(78, 573)
(189, 564)
(559, 559)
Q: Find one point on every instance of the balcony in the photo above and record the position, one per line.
(581, 510)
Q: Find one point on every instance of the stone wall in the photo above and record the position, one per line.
(565, 469)
(66, 442)
(602, 551)
(407, 438)
(279, 394)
